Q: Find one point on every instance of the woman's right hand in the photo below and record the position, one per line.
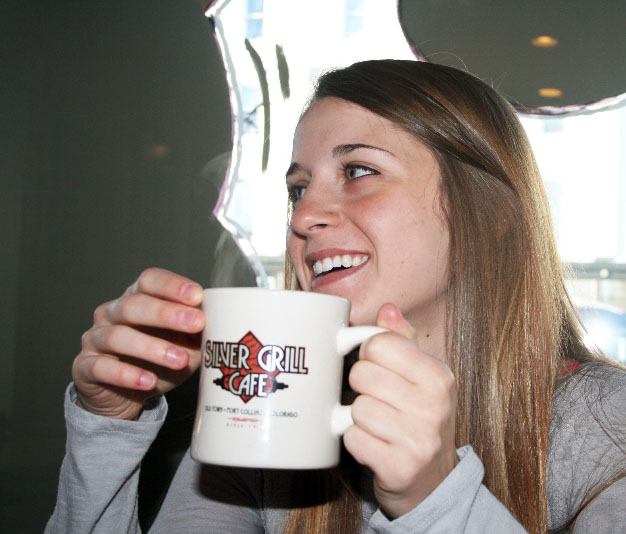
(142, 344)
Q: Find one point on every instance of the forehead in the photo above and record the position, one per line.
(333, 120)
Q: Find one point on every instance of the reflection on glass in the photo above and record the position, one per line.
(254, 19)
(273, 50)
(506, 46)
(354, 16)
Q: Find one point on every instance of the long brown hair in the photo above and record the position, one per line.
(510, 323)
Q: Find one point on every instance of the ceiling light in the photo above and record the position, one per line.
(550, 92)
(158, 151)
(544, 41)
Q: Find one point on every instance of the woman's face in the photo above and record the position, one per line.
(367, 200)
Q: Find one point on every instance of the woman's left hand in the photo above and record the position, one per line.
(404, 417)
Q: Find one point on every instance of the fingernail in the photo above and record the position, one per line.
(146, 380)
(189, 318)
(175, 356)
(191, 292)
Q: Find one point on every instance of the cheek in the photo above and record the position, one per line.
(291, 245)
(395, 219)
(295, 244)
(412, 238)
(295, 253)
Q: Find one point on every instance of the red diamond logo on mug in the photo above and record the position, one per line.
(249, 368)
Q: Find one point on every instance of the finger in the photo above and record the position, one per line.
(376, 418)
(127, 341)
(393, 469)
(394, 352)
(386, 386)
(167, 285)
(146, 310)
(402, 356)
(417, 431)
(366, 449)
(394, 465)
(109, 370)
(390, 317)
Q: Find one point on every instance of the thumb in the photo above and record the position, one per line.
(390, 317)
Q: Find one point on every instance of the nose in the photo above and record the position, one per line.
(318, 208)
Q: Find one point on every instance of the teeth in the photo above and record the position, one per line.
(330, 263)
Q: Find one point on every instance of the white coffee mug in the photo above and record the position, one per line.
(271, 377)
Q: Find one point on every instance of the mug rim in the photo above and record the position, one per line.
(288, 293)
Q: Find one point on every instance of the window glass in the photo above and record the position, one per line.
(254, 19)
(354, 16)
(581, 156)
(583, 162)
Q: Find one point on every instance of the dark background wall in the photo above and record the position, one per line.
(109, 112)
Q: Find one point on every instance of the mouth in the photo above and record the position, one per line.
(340, 262)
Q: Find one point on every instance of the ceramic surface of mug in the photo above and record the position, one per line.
(271, 374)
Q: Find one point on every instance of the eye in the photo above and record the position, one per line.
(295, 193)
(352, 172)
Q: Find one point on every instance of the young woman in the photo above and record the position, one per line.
(480, 411)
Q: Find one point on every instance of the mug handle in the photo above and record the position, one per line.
(348, 338)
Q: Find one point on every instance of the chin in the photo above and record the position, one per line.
(359, 318)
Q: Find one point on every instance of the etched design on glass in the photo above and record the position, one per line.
(547, 58)
(272, 51)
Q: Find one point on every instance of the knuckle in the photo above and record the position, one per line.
(77, 363)
(106, 370)
(405, 474)
(397, 474)
(411, 464)
(357, 376)
(353, 441)
(163, 313)
(348, 438)
(122, 376)
(93, 367)
(366, 409)
(144, 279)
(445, 380)
(374, 344)
(100, 313)
(359, 408)
(125, 307)
(85, 339)
(112, 337)
(378, 345)
(154, 347)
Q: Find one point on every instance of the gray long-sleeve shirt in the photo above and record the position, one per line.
(98, 483)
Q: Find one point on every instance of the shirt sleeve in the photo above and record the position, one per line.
(587, 455)
(97, 490)
(460, 504)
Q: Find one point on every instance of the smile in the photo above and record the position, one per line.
(332, 263)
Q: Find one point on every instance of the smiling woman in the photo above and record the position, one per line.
(508, 48)
(501, 289)
(363, 186)
(478, 410)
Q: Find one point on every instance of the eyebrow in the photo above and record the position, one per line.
(339, 150)
(293, 169)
